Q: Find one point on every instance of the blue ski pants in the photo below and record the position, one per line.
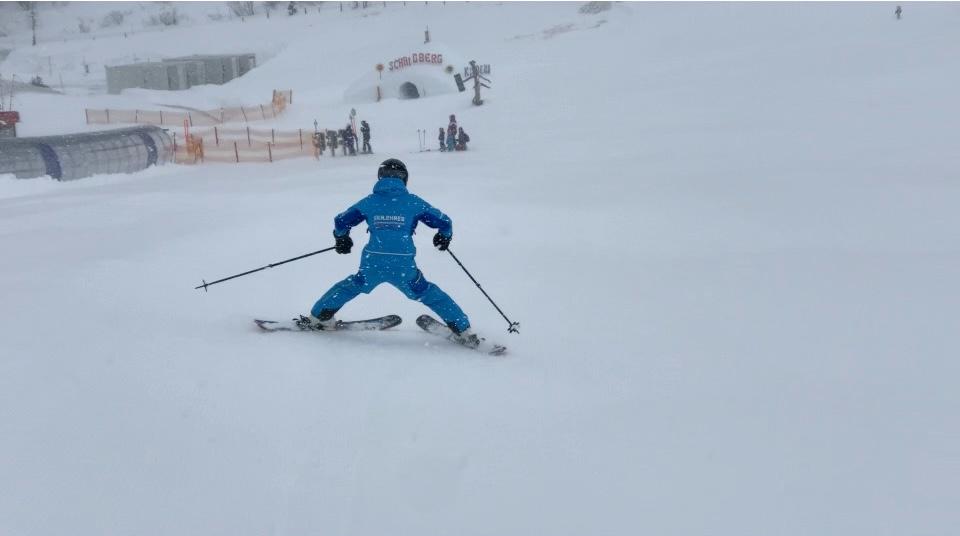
(400, 271)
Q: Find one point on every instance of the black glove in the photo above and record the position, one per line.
(344, 244)
(442, 242)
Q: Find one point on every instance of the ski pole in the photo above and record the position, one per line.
(514, 327)
(205, 284)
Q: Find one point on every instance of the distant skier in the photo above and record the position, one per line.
(342, 136)
(392, 215)
(462, 140)
(365, 132)
(318, 144)
(441, 138)
(349, 140)
(898, 12)
(452, 133)
(332, 142)
(343, 140)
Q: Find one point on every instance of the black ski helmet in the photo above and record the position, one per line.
(393, 168)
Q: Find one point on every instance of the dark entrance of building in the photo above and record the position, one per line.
(409, 91)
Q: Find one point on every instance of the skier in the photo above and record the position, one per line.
(462, 140)
(392, 215)
(319, 144)
(365, 132)
(441, 137)
(452, 133)
(343, 140)
(332, 142)
(898, 12)
(351, 140)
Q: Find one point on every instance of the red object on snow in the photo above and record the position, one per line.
(9, 118)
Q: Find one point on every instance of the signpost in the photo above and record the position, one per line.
(478, 80)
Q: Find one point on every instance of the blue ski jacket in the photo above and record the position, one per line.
(392, 214)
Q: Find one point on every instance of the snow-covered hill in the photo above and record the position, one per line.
(729, 232)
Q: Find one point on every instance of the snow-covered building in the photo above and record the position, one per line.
(422, 71)
(179, 73)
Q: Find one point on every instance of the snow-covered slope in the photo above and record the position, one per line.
(729, 232)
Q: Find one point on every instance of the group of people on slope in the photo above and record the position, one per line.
(345, 138)
(454, 139)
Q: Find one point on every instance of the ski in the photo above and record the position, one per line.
(433, 326)
(300, 324)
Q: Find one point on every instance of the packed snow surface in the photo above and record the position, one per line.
(729, 232)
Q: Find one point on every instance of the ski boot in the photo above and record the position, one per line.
(466, 337)
(325, 322)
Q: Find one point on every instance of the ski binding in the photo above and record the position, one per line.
(433, 326)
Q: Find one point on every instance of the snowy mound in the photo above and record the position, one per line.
(422, 71)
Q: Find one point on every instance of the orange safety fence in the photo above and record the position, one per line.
(239, 145)
(219, 116)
